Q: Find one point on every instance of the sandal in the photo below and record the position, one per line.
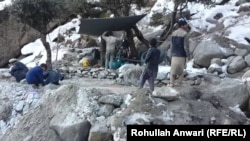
(177, 84)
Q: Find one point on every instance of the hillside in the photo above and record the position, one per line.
(95, 104)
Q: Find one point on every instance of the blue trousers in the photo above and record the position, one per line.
(149, 75)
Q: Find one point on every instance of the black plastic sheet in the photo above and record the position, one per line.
(99, 25)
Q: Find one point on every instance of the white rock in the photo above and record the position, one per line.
(20, 106)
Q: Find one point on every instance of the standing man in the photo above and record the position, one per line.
(18, 69)
(111, 42)
(35, 75)
(152, 61)
(180, 52)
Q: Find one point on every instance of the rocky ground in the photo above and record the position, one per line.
(95, 104)
(21, 103)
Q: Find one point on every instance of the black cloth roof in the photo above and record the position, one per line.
(99, 25)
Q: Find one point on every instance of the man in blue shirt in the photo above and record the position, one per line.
(17, 69)
(35, 75)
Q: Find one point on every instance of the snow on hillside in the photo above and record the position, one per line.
(4, 4)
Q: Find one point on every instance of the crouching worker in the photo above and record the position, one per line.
(35, 75)
(17, 69)
(52, 76)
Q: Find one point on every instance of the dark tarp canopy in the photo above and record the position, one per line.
(99, 25)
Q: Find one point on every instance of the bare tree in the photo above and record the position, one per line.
(179, 5)
(38, 14)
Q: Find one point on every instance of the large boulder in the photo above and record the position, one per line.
(100, 132)
(228, 93)
(246, 76)
(74, 132)
(236, 65)
(205, 52)
(69, 125)
(15, 35)
(247, 59)
(130, 74)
